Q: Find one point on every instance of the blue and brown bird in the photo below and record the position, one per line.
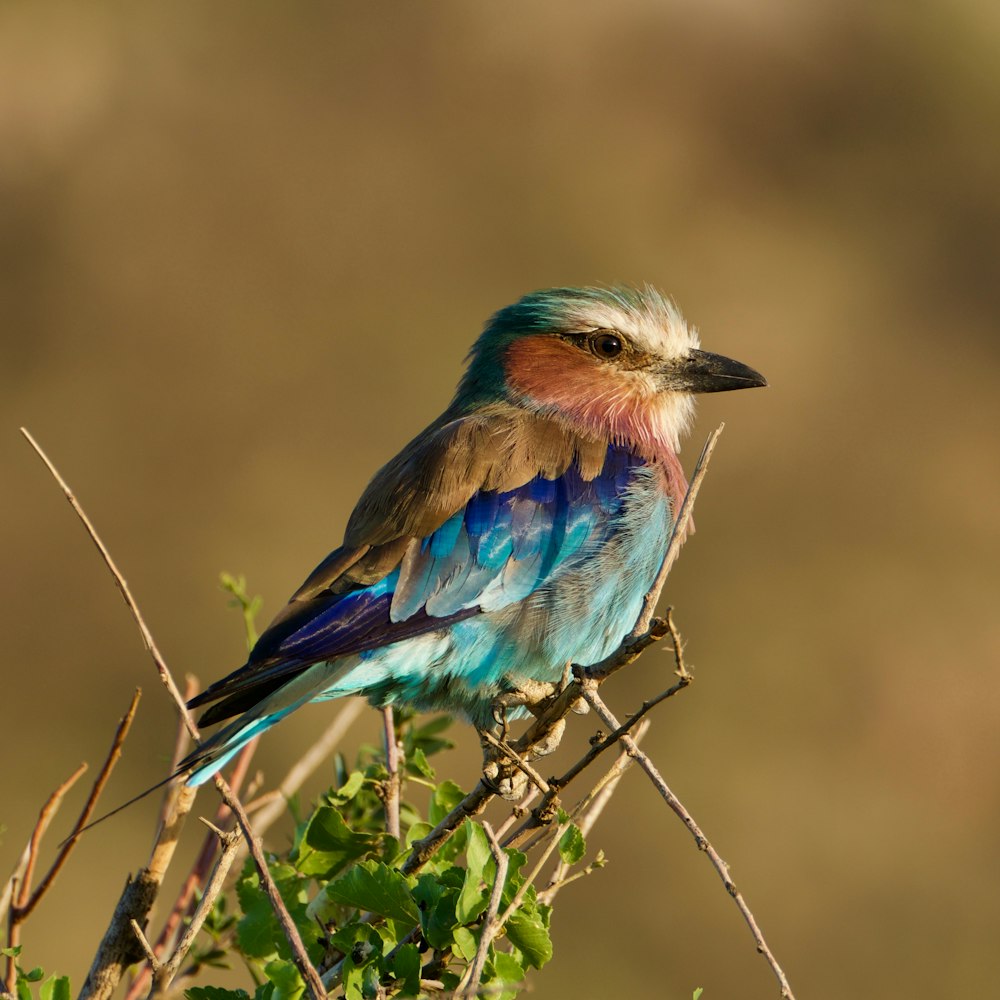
(517, 533)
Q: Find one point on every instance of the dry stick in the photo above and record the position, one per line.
(678, 533)
(26, 900)
(596, 702)
(197, 876)
(542, 816)
(118, 948)
(491, 926)
(299, 956)
(21, 886)
(112, 758)
(518, 812)
(163, 973)
(147, 636)
(391, 785)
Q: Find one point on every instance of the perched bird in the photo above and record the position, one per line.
(519, 532)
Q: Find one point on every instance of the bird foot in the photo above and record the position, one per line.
(507, 775)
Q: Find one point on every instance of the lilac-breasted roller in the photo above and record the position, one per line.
(519, 532)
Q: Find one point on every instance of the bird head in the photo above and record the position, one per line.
(620, 363)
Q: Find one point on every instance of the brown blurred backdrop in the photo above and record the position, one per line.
(243, 249)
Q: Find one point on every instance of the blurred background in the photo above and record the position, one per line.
(243, 250)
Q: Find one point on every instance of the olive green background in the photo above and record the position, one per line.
(243, 250)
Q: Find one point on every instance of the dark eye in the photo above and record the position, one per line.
(606, 345)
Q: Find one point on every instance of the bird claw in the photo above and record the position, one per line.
(502, 774)
(506, 779)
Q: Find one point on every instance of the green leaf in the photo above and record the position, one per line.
(374, 886)
(405, 967)
(529, 934)
(259, 933)
(477, 850)
(417, 832)
(34, 975)
(697, 993)
(437, 907)
(11, 952)
(473, 898)
(348, 790)
(288, 984)
(572, 846)
(445, 798)
(509, 971)
(328, 844)
(466, 943)
(57, 988)
(417, 764)
(507, 967)
(214, 993)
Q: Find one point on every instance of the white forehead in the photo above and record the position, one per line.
(650, 320)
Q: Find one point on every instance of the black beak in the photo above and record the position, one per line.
(704, 372)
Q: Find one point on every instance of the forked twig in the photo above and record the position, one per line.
(587, 811)
(163, 973)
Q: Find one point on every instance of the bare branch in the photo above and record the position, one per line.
(596, 702)
(198, 874)
(112, 758)
(587, 811)
(119, 947)
(147, 636)
(392, 783)
(231, 841)
(678, 533)
(20, 885)
(299, 955)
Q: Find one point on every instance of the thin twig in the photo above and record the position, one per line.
(597, 703)
(112, 758)
(118, 948)
(21, 886)
(517, 813)
(198, 874)
(299, 955)
(391, 785)
(164, 975)
(585, 814)
(491, 925)
(147, 636)
(678, 533)
(517, 760)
